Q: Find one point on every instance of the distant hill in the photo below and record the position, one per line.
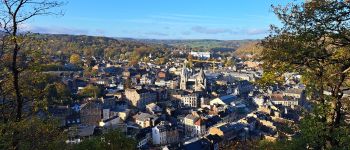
(206, 44)
(65, 45)
(61, 44)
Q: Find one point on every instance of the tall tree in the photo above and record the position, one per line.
(314, 41)
(13, 14)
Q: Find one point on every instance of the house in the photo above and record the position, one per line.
(194, 125)
(279, 99)
(60, 113)
(90, 113)
(228, 100)
(162, 75)
(143, 137)
(114, 123)
(185, 99)
(164, 134)
(172, 84)
(78, 133)
(296, 93)
(140, 98)
(160, 82)
(228, 131)
(145, 120)
(122, 113)
(145, 80)
(153, 108)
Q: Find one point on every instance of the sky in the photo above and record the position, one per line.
(162, 19)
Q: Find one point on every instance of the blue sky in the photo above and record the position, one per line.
(162, 19)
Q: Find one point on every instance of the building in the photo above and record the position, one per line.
(153, 108)
(60, 113)
(279, 99)
(190, 100)
(114, 123)
(184, 77)
(194, 125)
(162, 75)
(145, 80)
(185, 99)
(296, 93)
(144, 137)
(164, 134)
(145, 120)
(91, 113)
(229, 131)
(228, 100)
(140, 98)
(200, 81)
(200, 55)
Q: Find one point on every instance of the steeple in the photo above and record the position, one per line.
(200, 82)
(201, 74)
(184, 77)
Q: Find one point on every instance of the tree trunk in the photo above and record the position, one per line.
(15, 73)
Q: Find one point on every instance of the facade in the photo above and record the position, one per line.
(228, 131)
(145, 80)
(226, 101)
(296, 93)
(279, 99)
(145, 120)
(194, 125)
(91, 114)
(201, 55)
(114, 123)
(185, 99)
(164, 134)
(190, 100)
(140, 98)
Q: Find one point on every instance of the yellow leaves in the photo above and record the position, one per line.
(270, 78)
(342, 53)
(74, 59)
(251, 48)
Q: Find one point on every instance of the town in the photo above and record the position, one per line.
(194, 102)
(174, 75)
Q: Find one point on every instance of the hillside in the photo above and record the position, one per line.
(94, 46)
(65, 45)
(205, 44)
(250, 48)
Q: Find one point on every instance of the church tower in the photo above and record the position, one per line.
(184, 77)
(200, 82)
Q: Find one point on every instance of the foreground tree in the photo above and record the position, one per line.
(113, 140)
(13, 15)
(314, 41)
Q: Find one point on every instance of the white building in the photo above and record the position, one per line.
(228, 100)
(202, 55)
(164, 134)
